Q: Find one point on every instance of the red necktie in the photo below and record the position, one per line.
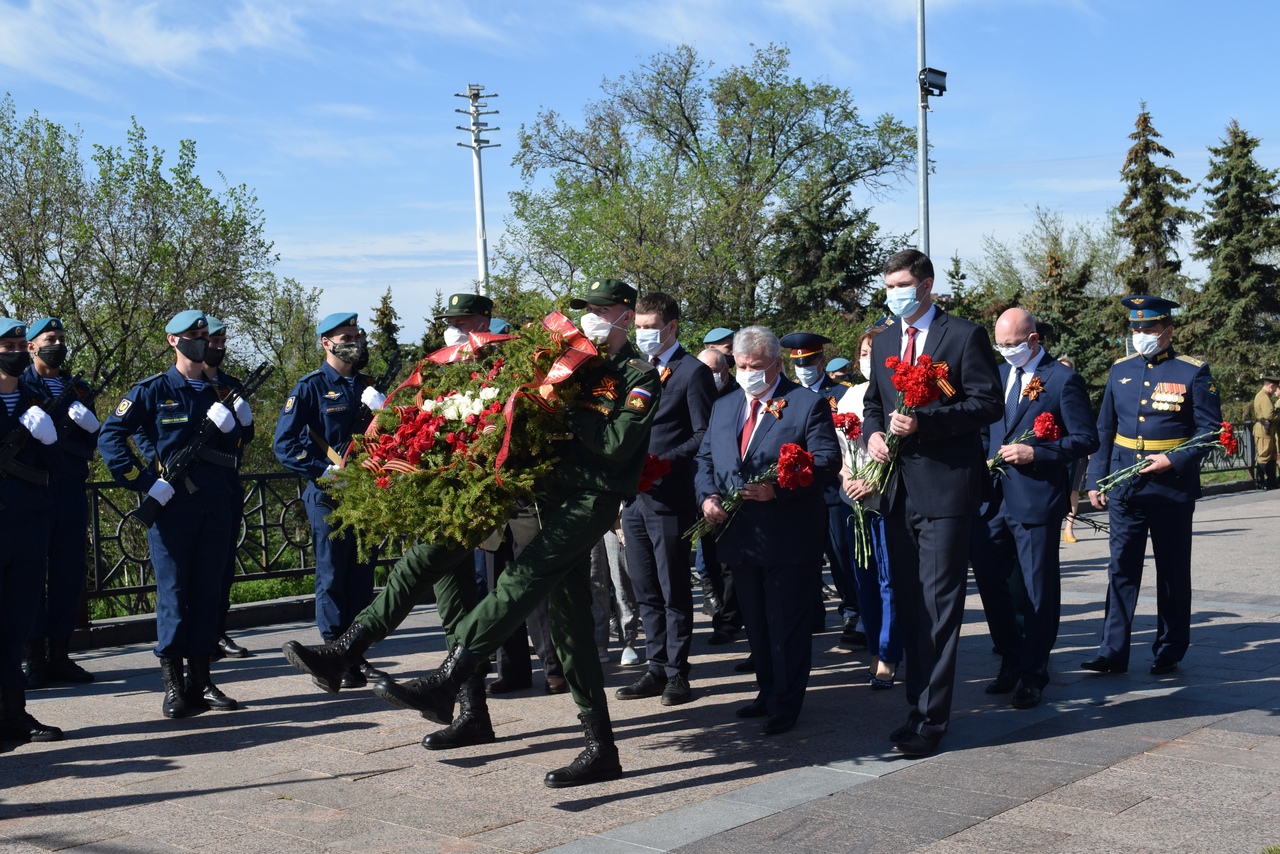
(748, 428)
(910, 356)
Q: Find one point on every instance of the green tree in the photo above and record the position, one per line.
(1232, 320)
(384, 342)
(677, 178)
(1150, 217)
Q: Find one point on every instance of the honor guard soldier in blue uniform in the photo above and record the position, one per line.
(24, 500)
(194, 526)
(809, 362)
(225, 385)
(1155, 400)
(321, 414)
(47, 656)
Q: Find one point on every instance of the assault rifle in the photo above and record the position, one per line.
(180, 464)
(53, 405)
(383, 383)
(17, 438)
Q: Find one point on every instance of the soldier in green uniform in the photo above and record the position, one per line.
(598, 467)
(1264, 431)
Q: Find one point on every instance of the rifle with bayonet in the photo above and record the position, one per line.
(175, 471)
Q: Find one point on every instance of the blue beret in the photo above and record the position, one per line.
(498, 326)
(184, 320)
(1145, 309)
(44, 324)
(10, 328)
(715, 336)
(338, 318)
(216, 326)
(836, 364)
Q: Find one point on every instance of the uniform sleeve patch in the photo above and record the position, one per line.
(1213, 387)
(288, 404)
(639, 399)
(123, 407)
(132, 473)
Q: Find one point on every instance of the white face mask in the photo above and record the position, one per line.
(1146, 344)
(720, 381)
(808, 376)
(1016, 356)
(453, 335)
(649, 341)
(864, 367)
(754, 383)
(902, 301)
(595, 327)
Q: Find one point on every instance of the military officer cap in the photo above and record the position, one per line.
(468, 305)
(1145, 310)
(1270, 375)
(717, 335)
(10, 328)
(42, 325)
(216, 326)
(606, 292)
(805, 347)
(338, 318)
(839, 363)
(498, 326)
(186, 320)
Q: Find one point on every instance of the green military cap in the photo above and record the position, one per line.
(44, 324)
(468, 305)
(184, 320)
(1271, 375)
(606, 292)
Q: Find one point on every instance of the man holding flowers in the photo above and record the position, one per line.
(1047, 423)
(934, 479)
(1160, 417)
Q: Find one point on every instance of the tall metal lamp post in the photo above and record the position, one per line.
(477, 129)
(932, 82)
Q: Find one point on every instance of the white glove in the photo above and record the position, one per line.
(83, 417)
(221, 417)
(161, 491)
(329, 474)
(243, 414)
(40, 425)
(373, 398)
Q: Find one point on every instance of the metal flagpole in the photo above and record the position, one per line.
(477, 144)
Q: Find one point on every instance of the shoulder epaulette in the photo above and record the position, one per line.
(1126, 358)
(1191, 360)
(150, 379)
(314, 373)
(641, 365)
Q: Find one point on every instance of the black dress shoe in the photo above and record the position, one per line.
(754, 709)
(227, 648)
(1163, 665)
(1004, 683)
(1102, 664)
(677, 692)
(352, 678)
(556, 685)
(777, 725)
(726, 634)
(504, 685)
(745, 666)
(900, 733)
(369, 672)
(648, 685)
(915, 744)
(853, 639)
(1027, 696)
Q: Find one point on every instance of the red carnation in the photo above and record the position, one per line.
(655, 468)
(849, 423)
(795, 466)
(1228, 439)
(1046, 427)
(384, 482)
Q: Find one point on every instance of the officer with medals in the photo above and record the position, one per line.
(47, 656)
(225, 384)
(1155, 400)
(26, 432)
(321, 414)
(810, 362)
(193, 529)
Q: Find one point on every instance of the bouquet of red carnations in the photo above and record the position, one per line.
(793, 469)
(1224, 438)
(918, 385)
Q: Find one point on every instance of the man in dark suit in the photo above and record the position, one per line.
(720, 600)
(774, 544)
(652, 522)
(1029, 500)
(934, 487)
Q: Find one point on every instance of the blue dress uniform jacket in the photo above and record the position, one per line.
(192, 532)
(326, 404)
(25, 526)
(69, 518)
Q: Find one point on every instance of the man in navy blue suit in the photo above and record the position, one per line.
(774, 544)
(1019, 527)
(652, 522)
(934, 488)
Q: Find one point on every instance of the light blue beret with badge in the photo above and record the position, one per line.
(216, 326)
(715, 336)
(837, 364)
(338, 318)
(42, 325)
(186, 320)
(10, 328)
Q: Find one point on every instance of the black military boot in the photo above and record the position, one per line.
(1270, 477)
(201, 692)
(61, 667)
(35, 663)
(599, 762)
(330, 665)
(471, 726)
(433, 695)
(175, 693)
(17, 725)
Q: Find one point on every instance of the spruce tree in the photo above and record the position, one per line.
(1150, 216)
(383, 336)
(1232, 319)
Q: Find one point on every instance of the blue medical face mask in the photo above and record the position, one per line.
(902, 301)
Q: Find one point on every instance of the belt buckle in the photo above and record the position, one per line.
(1140, 444)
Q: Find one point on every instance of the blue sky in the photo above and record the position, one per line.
(340, 115)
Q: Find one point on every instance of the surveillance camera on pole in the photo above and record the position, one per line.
(932, 82)
(477, 128)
